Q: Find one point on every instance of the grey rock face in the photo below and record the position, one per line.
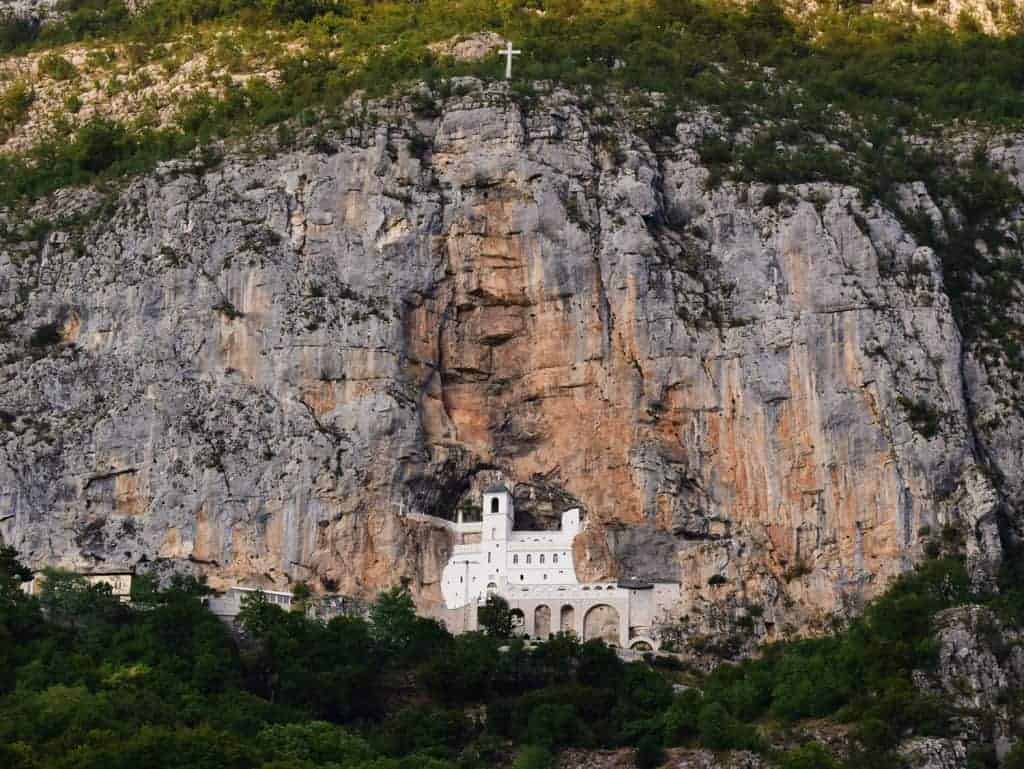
(981, 663)
(934, 753)
(29, 9)
(254, 369)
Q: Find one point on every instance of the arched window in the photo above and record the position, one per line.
(494, 505)
(542, 557)
(515, 559)
(488, 556)
(545, 576)
(520, 577)
(554, 558)
(529, 559)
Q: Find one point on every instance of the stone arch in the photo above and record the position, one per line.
(641, 645)
(542, 621)
(601, 621)
(567, 619)
(518, 622)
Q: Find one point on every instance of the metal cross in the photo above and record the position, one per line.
(508, 53)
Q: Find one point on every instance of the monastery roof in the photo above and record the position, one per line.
(635, 584)
(496, 488)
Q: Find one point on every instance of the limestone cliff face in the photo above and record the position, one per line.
(262, 364)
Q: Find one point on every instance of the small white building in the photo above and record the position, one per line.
(535, 572)
(120, 583)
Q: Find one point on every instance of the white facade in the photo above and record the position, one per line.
(490, 556)
(535, 572)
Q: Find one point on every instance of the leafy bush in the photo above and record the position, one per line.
(17, 31)
(552, 726)
(680, 721)
(14, 104)
(533, 757)
(57, 67)
(495, 617)
(719, 730)
(650, 753)
(810, 755)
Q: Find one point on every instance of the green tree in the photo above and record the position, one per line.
(19, 616)
(400, 632)
(650, 752)
(302, 596)
(599, 665)
(533, 757)
(314, 741)
(680, 720)
(719, 730)
(553, 726)
(495, 617)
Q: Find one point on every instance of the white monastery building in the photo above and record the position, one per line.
(534, 571)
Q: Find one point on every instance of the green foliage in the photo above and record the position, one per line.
(57, 67)
(650, 753)
(680, 722)
(17, 31)
(330, 670)
(552, 726)
(87, 681)
(720, 730)
(465, 672)
(14, 104)
(534, 757)
(923, 416)
(423, 729)
(748, 61)
(400, 631)
(810, 755)
(495, 617)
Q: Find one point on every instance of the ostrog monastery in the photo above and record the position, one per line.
(535, 572)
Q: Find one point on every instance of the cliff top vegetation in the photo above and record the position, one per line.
(130, 89)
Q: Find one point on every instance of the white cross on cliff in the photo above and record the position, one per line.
(508, 53)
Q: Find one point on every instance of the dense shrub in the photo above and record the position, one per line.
(57, 67)
(719, 730)
(650, 753)
(17, 31)
(810, 755)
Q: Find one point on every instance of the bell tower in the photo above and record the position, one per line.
(498, 514)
